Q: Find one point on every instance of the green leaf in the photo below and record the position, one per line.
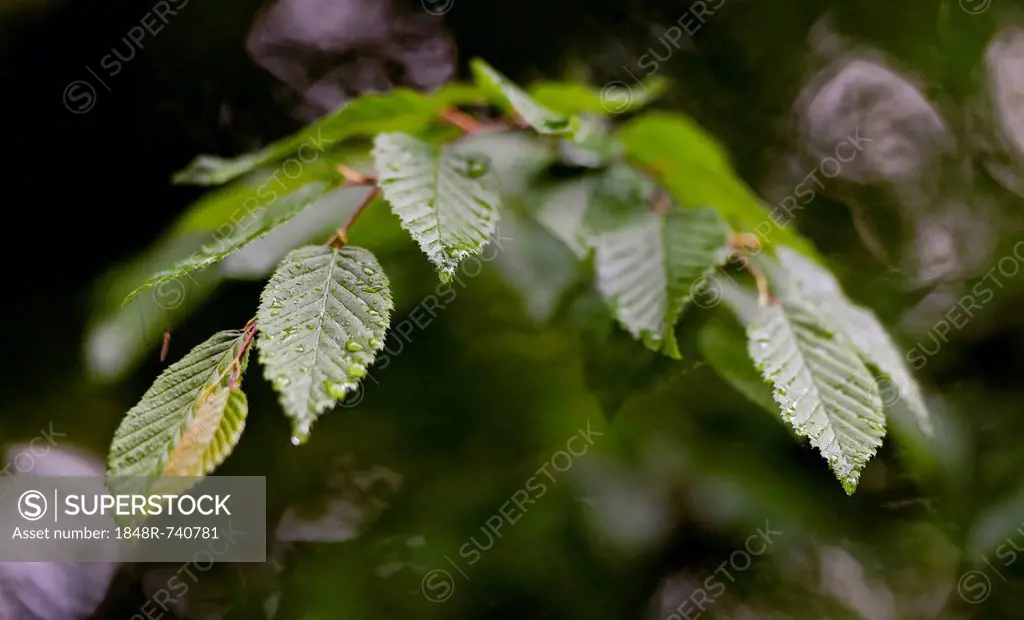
(824, 389)
(739, 299)
(447, 201)
(537, 265)
(568, 98)
(591, 147)
(118, 336)
(614, 98)
(613, 370)
(322, 319)
(223, 206)
(622, 98)
(517, 158)
(508, 95)
(258, 259)
(457, 93)
(561, 208)
(723, 344)
(192, 391)
(239, 236)
(398, 110)
(873, 343)
(695, 169)
(679, 139)
(217, 426)
(577, 210)
(620, 193)
(648, 266)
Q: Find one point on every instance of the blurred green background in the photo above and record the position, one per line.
(682, 469)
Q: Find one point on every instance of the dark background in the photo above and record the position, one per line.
(87, 191)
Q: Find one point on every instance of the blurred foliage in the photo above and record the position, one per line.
(523, 354)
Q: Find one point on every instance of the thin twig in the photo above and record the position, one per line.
(340, 236)
(354, 177)
(471, 125)
(236, 364)
(166, 345)
(463, 121)
(764, 294)
(745, 240)
(236, 369)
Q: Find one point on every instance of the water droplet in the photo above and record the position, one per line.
(300, 348)
(368, 271)
(336, 390)
(300, 432)
(374, 343)
(474, 166)
(319, 289)
(282, 382)
(309, 326)
(277, 304)
(356, 370)
(353, 346)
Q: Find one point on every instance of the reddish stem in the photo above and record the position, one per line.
(250, 331)
(463, 121)
(354, 177)
(470, 125)
(340, 236)
(745, 240)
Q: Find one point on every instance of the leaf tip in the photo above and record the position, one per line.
(478, 64)
(850, 485)
(300, 433)
(671, 347)
(130, 296)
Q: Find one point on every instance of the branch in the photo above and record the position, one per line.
(741, 241)
(354, 177)
(340, 236)
(471, 125)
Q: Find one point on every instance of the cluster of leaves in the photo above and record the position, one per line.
(659, 211)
